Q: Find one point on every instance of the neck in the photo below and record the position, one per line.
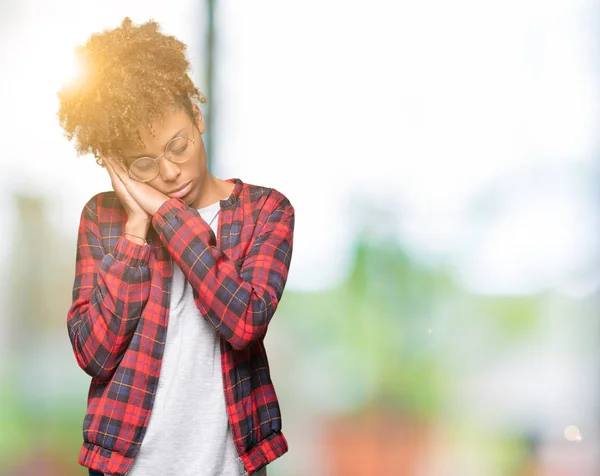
(213, 190)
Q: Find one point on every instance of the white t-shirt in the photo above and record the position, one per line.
(188, 433)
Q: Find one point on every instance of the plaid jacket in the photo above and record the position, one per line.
(117, 322)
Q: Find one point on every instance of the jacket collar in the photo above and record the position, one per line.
(235, 194)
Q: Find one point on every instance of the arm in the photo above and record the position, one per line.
(109, 294)
(239, 303)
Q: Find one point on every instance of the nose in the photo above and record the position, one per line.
(168, 170)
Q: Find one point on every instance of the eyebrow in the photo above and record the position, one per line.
(139, 156)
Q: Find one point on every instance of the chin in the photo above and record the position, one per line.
(191, 198)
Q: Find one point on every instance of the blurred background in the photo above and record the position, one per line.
(442, 311)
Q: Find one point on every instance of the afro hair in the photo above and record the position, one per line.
(131, 76)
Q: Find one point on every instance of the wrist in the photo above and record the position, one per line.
(159, 203)
(135, 239)
(137, 227)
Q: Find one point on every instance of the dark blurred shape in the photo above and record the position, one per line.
(209, 133)
(43, 463)
(373, 444)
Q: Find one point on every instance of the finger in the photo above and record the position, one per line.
(122, 166)
(120, 169)
(115, 170)
(118, 165)
(116, 180)
(109, 168)
(109, 163)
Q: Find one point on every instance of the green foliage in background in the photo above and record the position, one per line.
(383, 335)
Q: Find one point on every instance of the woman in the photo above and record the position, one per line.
(178, 274)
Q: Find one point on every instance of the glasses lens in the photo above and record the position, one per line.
(144, 168)
(179, 150)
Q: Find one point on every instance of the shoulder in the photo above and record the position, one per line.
(102, 205)
(262, 197)
(267, 205)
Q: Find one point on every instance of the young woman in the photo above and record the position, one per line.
(178, 274)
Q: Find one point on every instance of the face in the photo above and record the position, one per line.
(184, 180)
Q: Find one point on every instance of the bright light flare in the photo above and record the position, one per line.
(572, 433)
(71, 71)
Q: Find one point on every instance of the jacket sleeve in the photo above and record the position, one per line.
(239, 301)
(109, 294)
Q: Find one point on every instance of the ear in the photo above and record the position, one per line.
(199, 118)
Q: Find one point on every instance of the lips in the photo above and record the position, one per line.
(181, 192)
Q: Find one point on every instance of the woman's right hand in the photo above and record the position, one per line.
(138, 221)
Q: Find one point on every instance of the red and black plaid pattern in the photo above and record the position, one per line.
(118, 320)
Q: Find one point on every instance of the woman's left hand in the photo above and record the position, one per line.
(146, 196)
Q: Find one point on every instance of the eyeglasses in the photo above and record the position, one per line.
(178, 150)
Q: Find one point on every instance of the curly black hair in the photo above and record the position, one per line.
(131, 76)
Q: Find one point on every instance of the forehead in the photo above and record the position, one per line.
(155, 138)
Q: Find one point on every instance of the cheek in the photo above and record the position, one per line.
(156, 184)
(194, 165)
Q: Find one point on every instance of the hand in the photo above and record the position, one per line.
(134, 211)
(139, 199)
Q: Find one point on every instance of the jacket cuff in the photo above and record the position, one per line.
(174, 213)
(167, 212)
(132, 254)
